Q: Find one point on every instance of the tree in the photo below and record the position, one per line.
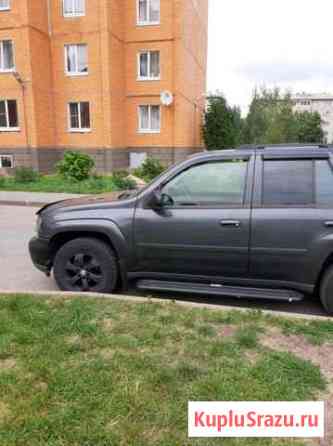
(222, 124)
(271, 120)
(309, 127)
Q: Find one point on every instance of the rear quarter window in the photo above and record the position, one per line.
(324, 184)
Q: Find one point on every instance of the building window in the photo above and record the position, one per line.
(148, 12)
(74, 8)
(4, 5)
(8, 115)
(149, 65)
(6, 55)
(76, 59)
(6, 161)
(149, 119)
(79, 117)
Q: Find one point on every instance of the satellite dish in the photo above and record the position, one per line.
(166, 98)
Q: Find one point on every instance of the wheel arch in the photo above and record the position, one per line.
(327, 263)
(110, 235)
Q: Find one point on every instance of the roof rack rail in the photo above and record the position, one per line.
(286, 146)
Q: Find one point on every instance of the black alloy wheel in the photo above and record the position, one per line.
(86, 265)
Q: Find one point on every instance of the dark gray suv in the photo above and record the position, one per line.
(253, 222)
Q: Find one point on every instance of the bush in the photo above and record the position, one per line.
(150, 169)
(26, 175)
(122, 182)
(75, 166)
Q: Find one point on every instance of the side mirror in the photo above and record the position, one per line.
(159, 200)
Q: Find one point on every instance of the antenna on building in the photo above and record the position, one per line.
(166, 98)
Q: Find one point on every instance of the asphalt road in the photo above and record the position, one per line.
(18, 274)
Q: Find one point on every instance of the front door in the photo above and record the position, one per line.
(204, 228)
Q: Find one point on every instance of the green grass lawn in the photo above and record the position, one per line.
(78, 372)
(54, 183)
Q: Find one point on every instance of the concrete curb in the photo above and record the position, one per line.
(22, 203)
(164, 301)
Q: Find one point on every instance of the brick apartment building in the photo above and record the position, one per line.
(88, 75)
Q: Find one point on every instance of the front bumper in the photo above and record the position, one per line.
(40, 254)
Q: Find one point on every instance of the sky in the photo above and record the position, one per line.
(285, 43)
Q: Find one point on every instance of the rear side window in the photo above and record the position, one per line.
(288, 183)
(324, 184)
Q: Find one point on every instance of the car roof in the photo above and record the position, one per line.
(276, 149)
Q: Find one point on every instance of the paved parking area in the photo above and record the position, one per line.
(18, 274)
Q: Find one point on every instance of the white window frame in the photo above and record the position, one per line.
(11, 157)
(149, 130)
(6, 70)
(79, 129)
(9, 129)
(73, 13)
(75, 73)
(5, 8)
(148, 78)
(146, 22)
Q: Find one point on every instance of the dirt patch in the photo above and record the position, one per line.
(4, 412)
(320, 355)
(228, 331)
(107, 353)
(107, 324)
(7, 364)
(73, 340)
(41, 386)
(252, 356)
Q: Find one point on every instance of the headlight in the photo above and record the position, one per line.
(38, 224)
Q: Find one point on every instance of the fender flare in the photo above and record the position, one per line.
(102, 226)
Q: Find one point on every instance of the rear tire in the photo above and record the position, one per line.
(86, 265)
(326, 290)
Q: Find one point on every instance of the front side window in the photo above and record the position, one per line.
(76, 59)
(288, 183)
(215, 183)
(149, 65)
(74, 8)
(149, 119)
(148, 12)
(6, 55)
(324, 184)
(8, 115)
(4, 5)
(79, 116)
(6, 161)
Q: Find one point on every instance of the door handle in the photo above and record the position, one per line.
(233, 223)
(329, 224)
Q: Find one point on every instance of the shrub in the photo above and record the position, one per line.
(75, 166)
(122, 182)
(26, 175)
(2, 182)
(150, 169)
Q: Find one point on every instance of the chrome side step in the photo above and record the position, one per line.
(221, 290)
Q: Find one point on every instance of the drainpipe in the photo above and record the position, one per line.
(49, 17)
(18, 78)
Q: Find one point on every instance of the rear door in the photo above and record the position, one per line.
(287, 216)
(205, 232)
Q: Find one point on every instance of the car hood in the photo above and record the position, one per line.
(112, 199)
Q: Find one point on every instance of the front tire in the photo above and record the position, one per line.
(86, 265)
(326, 290)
